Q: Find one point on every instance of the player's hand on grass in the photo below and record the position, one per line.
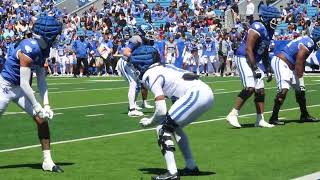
(48, 110)
(145, 122)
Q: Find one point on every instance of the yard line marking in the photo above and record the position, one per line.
(312, 176)
(94, 115)
(218, 90)
(126, 87)
(58, 114)
(138, 131)
(54, 88)
(115, 103)
(83, 90)
(79, 88)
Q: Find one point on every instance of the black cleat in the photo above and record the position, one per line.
(308, 118)
(190, 172)
(57, 169)
(275, 121)
(166, 176)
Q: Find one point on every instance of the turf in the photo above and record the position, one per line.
(220, 151)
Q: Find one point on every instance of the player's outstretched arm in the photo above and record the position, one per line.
(301, 60)
(43, 89)
(25, 76)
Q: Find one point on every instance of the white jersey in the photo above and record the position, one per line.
(167, 80)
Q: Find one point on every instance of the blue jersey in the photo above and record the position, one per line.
(209, 48)
(29, 47)
(291, 50)
(60, 50)
(261, 45)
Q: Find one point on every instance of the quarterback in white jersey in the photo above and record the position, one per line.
(193, 98)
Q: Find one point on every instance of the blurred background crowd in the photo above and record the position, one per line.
(98, 35)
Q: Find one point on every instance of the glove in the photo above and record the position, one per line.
(145, 122)
(256, 72)
(269, 77)
(40, 111)
(48, 110)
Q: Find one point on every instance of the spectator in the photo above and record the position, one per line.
(250, 11)
(81, 48)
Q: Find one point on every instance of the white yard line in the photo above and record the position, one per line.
(313, 176)
(94, 115)
(138, 131)
(126, 87)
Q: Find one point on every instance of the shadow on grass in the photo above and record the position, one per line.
(33, 165)
(161, 171)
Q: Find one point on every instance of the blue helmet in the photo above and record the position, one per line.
(146, 30)
(315, 35)
(270, 14)
(47, 27)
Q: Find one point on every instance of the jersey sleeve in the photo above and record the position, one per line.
(31, 49)
(257, 27)
(308, 43)
(154, 83)
(134, 42)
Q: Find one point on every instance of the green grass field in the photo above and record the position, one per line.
(107, 144)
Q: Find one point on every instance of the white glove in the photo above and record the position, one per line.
(146, 122)
(40, 111)
(48, 111)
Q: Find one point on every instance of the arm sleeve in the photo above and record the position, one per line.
(25, 76)
(42, 85)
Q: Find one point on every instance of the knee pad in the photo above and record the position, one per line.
(165, 141)
(259, 96)
(245, 93)
(169, 125)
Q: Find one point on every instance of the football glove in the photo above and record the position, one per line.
(48, 110)
(145, 122)
(269, 77)
(40, 111)
(256, 72)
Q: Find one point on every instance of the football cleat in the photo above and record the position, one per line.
(167, 176)
(50, 166)
(147, 106)
(275, 121)
(135, 113)
(190, 172)
(308, 118)
(264, 124)
(233, 120)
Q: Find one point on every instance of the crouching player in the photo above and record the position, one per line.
(144, 36)
(288, 67)
(193, 99)
(30, 54)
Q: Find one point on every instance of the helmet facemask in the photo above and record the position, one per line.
(274, 22)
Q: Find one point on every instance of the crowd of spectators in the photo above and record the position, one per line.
(109, 23)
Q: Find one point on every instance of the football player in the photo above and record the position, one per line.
(30, 54)
(209, 53)
(193, 98)
(288, 67)
(143, 36)
(252, 50)
(171, 50)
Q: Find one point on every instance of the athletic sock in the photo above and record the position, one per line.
(47, 156)
(260, 117)
(171, 163)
